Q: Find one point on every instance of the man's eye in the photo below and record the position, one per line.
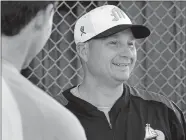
(131, 44)
(113, 42)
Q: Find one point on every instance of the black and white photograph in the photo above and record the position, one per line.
(93, 70)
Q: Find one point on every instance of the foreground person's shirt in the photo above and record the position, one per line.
(30, 114)
(135, 116)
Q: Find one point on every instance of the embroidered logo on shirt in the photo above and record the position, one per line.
(151, 134)
(82, 30)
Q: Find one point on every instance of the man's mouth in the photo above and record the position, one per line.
(122, 64)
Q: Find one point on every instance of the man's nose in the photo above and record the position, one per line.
(125, 51)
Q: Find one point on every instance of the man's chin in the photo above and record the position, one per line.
(122, 79)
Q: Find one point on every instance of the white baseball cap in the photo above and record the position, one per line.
(104, 21)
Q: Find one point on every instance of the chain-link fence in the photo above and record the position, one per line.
(161, 64)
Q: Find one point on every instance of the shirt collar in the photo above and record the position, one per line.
(78, 105)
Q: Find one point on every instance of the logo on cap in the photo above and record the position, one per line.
(117, 14)
(82, 30)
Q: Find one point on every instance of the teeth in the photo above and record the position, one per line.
(122, 64)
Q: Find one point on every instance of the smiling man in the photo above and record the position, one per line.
(107, 108)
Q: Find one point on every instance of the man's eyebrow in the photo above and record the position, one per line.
(132, 38)
(114, 36)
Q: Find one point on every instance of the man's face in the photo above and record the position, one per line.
(40, 36)
(112, 58)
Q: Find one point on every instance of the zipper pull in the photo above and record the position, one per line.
(110, 125)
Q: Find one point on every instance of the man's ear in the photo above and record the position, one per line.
(83, 50)
(43, 16)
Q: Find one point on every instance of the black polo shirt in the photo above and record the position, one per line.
(128, 116)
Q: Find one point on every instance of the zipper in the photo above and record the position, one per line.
(108, 121)
(110, 125)
(113, 133)
(113, 138)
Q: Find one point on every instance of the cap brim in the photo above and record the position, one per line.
(139, 31)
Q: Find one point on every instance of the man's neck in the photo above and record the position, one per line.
(14, 51)
(99, 94)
